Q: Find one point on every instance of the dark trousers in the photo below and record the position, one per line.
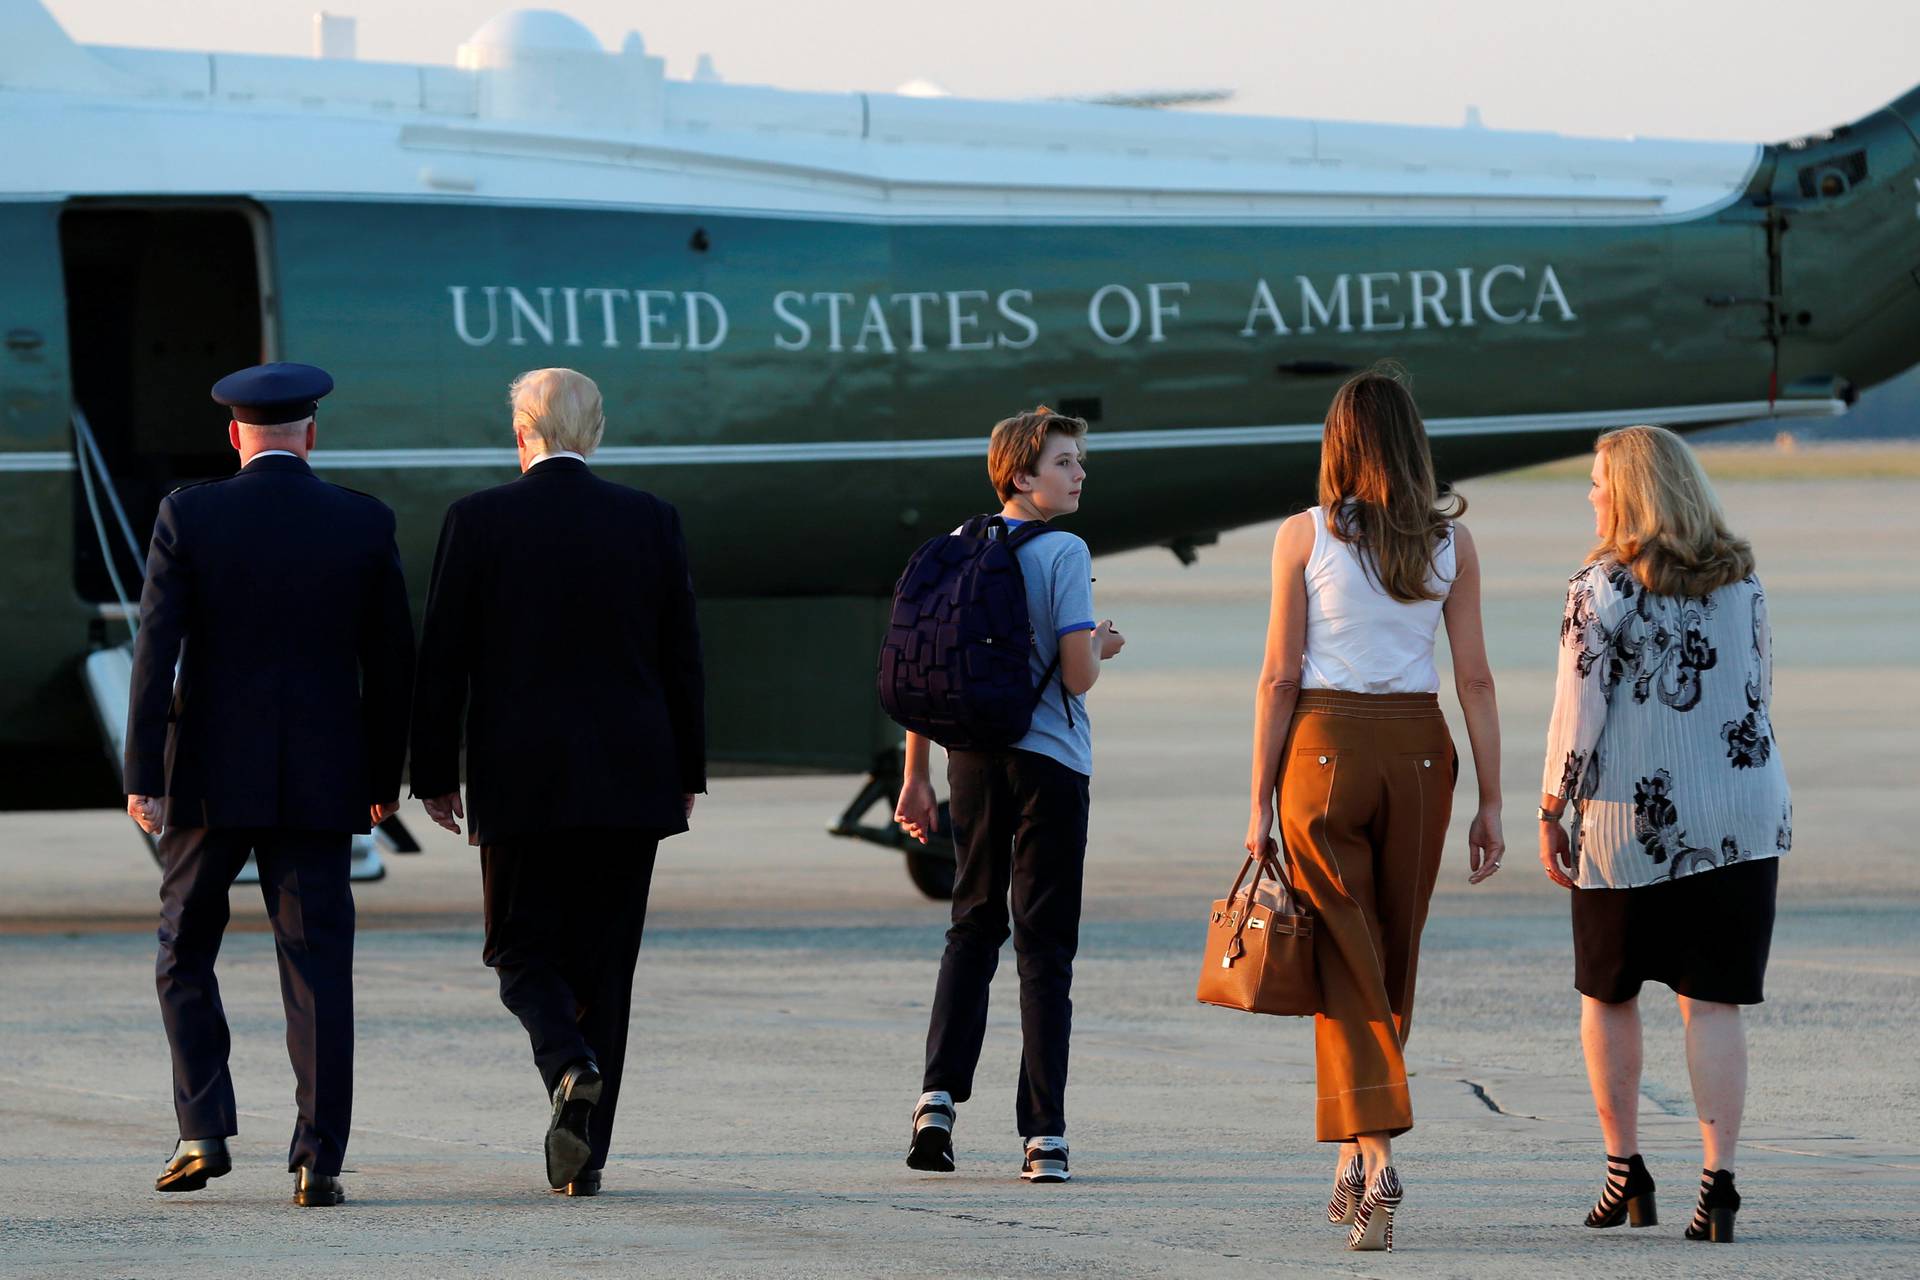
(1020, 833)
(565, 911)
(303, 878)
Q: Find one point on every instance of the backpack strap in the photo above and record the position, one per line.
(1027, 532)
(1066, 700)
(994, 525)
(1046, 678)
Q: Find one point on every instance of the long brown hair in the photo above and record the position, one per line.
(1664, 522)
(1377, 488)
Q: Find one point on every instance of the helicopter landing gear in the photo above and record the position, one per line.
(931, 865)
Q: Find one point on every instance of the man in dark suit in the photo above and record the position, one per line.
(560, 626)
(282, 733)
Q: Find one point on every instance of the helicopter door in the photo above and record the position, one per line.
(163, 299)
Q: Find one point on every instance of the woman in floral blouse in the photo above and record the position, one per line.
(1662, 747)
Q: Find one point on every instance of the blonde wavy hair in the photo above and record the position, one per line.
(1665, 523)
(1377, 487)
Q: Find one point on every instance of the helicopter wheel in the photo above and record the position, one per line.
(931, 874)
(931, 867)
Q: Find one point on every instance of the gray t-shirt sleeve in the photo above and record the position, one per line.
(1072, 587)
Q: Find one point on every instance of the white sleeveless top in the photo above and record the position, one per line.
(1359, 638)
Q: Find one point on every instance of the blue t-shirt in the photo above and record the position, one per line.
(1058, 570)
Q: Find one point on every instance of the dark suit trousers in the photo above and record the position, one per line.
(1020, 833)
(303, 878)
(565, 911)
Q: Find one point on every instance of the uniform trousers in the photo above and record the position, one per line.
(303, 879)
(1366, 789)
(564, 915)
(1020, 835)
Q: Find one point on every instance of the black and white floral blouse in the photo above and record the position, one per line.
(1660, 735)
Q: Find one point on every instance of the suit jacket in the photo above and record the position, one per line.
(560, 625)
(281, 599)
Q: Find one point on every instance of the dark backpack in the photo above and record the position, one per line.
(954, 666)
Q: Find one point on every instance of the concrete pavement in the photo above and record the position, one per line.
(783, 990)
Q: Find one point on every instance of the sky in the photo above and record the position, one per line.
(1763, 70)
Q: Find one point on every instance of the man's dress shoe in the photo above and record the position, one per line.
(316, 1190)
(587, 1184)
(194, 1161)
(568, 1148)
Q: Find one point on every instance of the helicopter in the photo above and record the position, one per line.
(805, 310)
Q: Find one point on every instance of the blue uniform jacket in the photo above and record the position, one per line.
(280, 596)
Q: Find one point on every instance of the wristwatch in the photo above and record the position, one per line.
(1547, 815)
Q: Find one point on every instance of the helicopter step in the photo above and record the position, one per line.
(109, 680)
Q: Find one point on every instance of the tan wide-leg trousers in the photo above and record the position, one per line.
(1366, 788)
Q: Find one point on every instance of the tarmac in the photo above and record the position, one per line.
(782, 999)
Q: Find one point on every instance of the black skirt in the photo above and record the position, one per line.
(1706, 935)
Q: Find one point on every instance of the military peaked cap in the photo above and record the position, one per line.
(268, 394)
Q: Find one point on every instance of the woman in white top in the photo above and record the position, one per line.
(1349, 739)
(1662, 745)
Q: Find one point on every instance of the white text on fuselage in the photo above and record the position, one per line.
(1115, 314)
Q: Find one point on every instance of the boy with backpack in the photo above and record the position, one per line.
(992, 650)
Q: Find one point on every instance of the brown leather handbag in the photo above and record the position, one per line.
(1260, 956)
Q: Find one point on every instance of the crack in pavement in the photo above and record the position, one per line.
(969, 1217)
(1480, 1092)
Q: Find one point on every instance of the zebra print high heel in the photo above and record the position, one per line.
(1713, 1215)
(1348, 1186)
(1628, 1197)
(1373, 1220)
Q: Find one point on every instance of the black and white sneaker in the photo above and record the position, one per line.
(1046, 1160)
(932, 1147)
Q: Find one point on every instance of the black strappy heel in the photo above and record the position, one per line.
(1628, 1197)
(1713, 1215)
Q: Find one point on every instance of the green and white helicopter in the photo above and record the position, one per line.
(805, 310)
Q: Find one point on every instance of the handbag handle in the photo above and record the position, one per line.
(1289, 898)
(1245, 867)
(1271, 865)
(1241, 917)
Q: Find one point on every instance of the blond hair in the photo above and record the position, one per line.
(561, 407)
(1015, 447)
(1664, 521)
(1377, 487)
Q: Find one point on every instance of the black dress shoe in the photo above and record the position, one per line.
(568, 1147)
(316, 1190)
(587, 1184)
(194, 1161)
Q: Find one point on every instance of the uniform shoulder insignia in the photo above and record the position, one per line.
(379, 504)
(199, 484)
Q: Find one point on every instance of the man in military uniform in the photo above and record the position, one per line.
(281, 734)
